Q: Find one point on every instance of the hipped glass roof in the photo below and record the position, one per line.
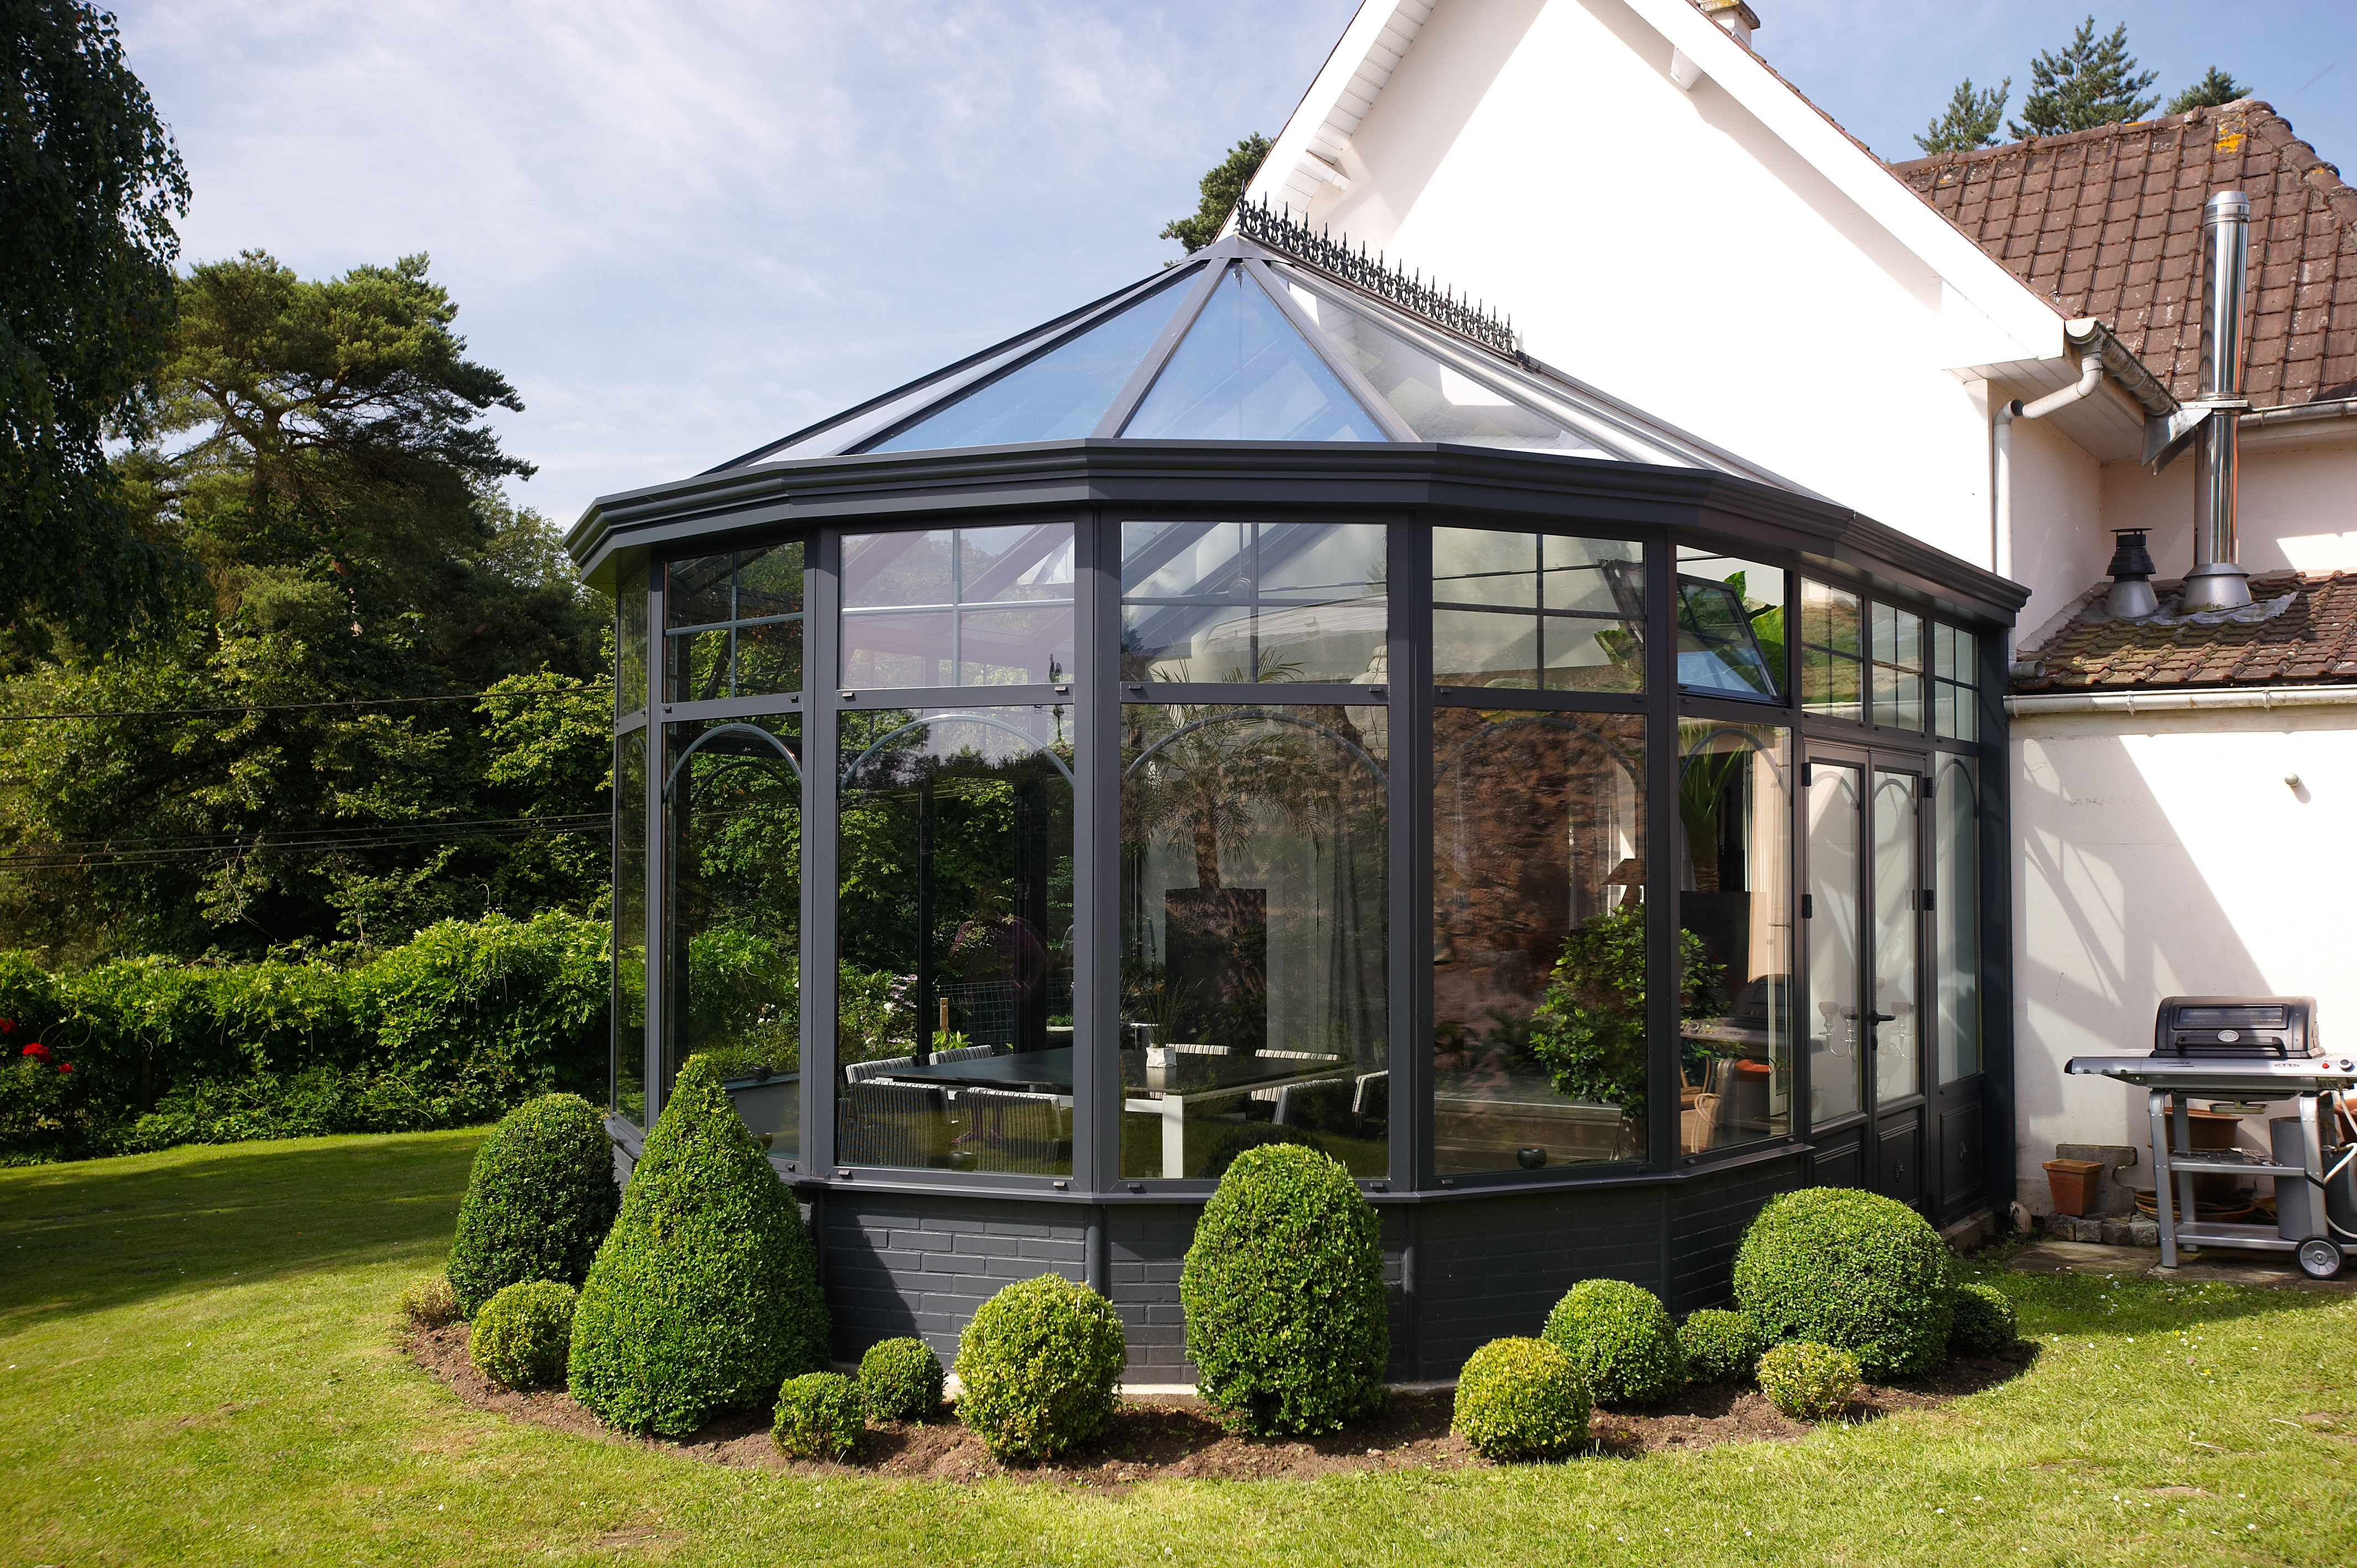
(1241, 343)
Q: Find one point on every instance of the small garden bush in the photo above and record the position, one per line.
(819, 1417)
(1520, 1398)
(1984, 1321)
(1038, 1364)
(1808, 1381)
(1622, 1337)
(1283, 1288)
(1719, 1347)
(900, 1380)
(430, 1304)
(1851, 1269)
(540, 1198)
(1253, 1136)
(523, 1334)
(705, 1296)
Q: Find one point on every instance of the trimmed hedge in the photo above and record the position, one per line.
(1720, 1347)
(1232, 1143)
(705, 1296)
(1849, 1269)
(1283, 1288)
(1808, 1381)
(819, 1417)
(540, 1198)
(1622, 1336)
(1984, 1321)
(521, 1335)
(1520, 1398)
(1038, 1364)
(900, 1380)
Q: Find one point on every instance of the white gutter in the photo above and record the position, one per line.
(2090, 376)
(2029, 704)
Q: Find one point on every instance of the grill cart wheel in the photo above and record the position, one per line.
(2320, 1259)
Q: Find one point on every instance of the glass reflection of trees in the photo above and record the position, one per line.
(1956, 916)
(1253, 967)
(954, 934)
(1734, 908)
(1538, 957)
(630, 923)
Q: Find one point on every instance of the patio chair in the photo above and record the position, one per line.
(859, 1072)
(902, 1125)
(1024, 1134)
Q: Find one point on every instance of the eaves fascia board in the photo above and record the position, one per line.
(1317, 106)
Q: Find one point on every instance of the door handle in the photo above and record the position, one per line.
(1882, 1017)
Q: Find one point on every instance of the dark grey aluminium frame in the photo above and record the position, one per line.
(1478, 1274)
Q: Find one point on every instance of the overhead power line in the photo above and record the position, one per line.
(299, 707)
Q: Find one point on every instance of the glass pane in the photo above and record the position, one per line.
(631, 644)
(1759, 590)
(1538, 958)
(902, 650)
(953, 1016)
(1735, 906)
(912, 613)
(1836, 868)
(1059, 396)
(769, 581)
(700, 664)
(768, 656)
(1943, 651)
(732, 916)
(903, 569)
(1898, 667)
(1500, 602)
(1242, 373)
(1439, 401)
(1955, 920)
(1830, 684)
(629, 1062)
(1716, 650)
(698, 592)
(1245, 602)
(1485, 567)
(1896, 990)
(1253, 966)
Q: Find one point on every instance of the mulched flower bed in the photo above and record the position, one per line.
(1177, 1439)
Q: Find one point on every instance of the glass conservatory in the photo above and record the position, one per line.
(1268, 704)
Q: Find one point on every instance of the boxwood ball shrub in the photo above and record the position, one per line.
(1622, 1336)
(1038, 1364)
(705, 1296)
(540, 1198)
(1720, 1347)
(1520, 1398)
(1808, 1381)
(1283, 1288)
(1984, 1321)
(820, 1416)
(900, 1380)
(1852, 1268)
(522, 1334)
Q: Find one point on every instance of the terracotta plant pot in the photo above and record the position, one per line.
(2074, 1184)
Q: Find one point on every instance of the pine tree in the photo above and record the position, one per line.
(2215, 88)
(2091, 83)
(1223, 187)
(1971, 119)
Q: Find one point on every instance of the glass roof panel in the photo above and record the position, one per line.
(1244, 373)
(1439, 402)
(1056, 397)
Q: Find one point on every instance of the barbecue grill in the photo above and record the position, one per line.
(2249, 1049)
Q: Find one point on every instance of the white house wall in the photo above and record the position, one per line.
(2297, 510)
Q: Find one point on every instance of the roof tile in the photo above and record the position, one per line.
(2313, 639)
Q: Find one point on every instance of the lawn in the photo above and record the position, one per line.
(201, 1367)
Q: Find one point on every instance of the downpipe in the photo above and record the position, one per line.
(2090, 376)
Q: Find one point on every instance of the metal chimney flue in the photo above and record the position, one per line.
(2216, 583)
(2131, 597)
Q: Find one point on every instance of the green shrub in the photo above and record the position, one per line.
(1253, 1136)
(429, 1303)
(1520, 1398)
(1038, 1364)
(1622, 1336)
(1283, 1289)
(819, 1417)
(1984, 1321)
(540, 1198)
(705, 1295)
(900, 1380)
(521, 1335)
(1808, 1381)
(1851, 1269)
(1719, 1347)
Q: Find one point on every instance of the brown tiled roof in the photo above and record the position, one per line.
(2107, 224)
(2313, 640)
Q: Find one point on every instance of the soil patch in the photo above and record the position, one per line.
(1177, 1439)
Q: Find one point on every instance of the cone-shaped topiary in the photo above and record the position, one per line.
(540, 1200)
(1284, 1294)
(1849, 1269)
(705, 1296)
(1620, 1336)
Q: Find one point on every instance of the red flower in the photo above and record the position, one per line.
(65, 1067)
(7, 1025)
(37, 1051)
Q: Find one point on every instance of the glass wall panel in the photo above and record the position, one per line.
(1730, 624)
(1955, 673)
(1244, 373)
(630, 643)
(1834, 803)
(958, 607)
(1253, 966)
(1253, 601)
(954, 940)
(630, 1008)
(1956, 916)
(1538, 960)
(1735, 907)
(1537, 611)
(1830, 652)
(733, 623)
(1898, 987)
(732, 915)
(1898, 667)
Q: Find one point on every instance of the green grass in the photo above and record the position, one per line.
(201, 1367)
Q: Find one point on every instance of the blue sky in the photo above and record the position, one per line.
(684, 229)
